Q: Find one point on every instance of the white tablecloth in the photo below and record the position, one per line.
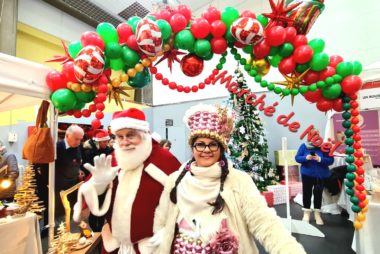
(20, 235)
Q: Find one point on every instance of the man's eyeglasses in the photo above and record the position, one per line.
(200, 147)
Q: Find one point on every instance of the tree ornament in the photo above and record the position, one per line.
(89, 64)
(247, 31)
(148, 37)
(192, 65)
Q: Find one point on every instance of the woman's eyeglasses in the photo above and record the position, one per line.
(200, 147)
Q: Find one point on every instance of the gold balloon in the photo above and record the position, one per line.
(86, 88)
(76, 87)
(131, 72)
(139, 67)
(358, 225)
(262, 66)
(95, 89)
(115, 82)
(361, 216)
(146, 62)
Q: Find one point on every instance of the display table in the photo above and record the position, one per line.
(20, 235)
(368, 242)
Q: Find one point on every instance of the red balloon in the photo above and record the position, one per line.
(359, 179)
(353, 96)
(357, 145)
(261, 49)
(132, 43)
(303, 54)
(92, 38)
(184, 10)
(324, 105)
(211, 14)
(311, 77)
(55, 80)
(77, 114)
(328, 72)
(299, 40)
(218, 45)
(96, 124)
(100, 106)
(99, 115)
(358, 154)
(355, 129)
(124, 30)
(355, 112)
(218, 28)
(313, 96)
(337, 105)
(357, 137)
(360, 171)
(86, 113)
(291, 34)
(68, 72)
(351, 84)
(200, 28)
(165, 14)
(178, 22)
(359, 187)
(275, 36)
(248, 14)
(335, 60)
(287, 65)
(191, 65)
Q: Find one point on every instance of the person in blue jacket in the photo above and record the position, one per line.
(314, 172)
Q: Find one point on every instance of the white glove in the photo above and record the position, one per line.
(157, 238)
(102, 172)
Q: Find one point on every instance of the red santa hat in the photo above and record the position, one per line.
(132, 118)
(101, 135)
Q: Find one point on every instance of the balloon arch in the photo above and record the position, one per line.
(270, 40)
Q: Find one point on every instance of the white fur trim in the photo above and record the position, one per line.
(156, 173)
(89, 191)
(127, 122)
(129, 182)
(102, 139)
(109, 242)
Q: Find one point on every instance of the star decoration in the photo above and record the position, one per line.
(116, 93)
(279, 13)
(63, 59)
(294, 80)
(171, 55)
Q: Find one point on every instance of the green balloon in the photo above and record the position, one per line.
(130, 57)
(345, 69)
(63, 99)
(202, 48)
(229, 15)
(248, 49)
(165, 28)
(349, 184)
(275, 60)
(133, 21)
(354, 200)
(319, 61)
(108, 32)
(85, 97)
(332, 92)
(107, 62)
(356, 67)
(229, 37)
(151, 18)
(350, 191)
(79, 105)
(113, 50)
(117, 64)
(184, 40)
(274, 51)
(300, 68)
(140, 80)
(74, 48)
(286, 50)
(209, 56)
(355, 208)
(262, 19)
(318, 45)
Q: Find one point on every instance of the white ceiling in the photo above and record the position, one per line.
(197, 6)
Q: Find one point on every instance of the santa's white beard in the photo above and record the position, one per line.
(131, 159)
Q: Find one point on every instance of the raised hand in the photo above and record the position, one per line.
(102, 172)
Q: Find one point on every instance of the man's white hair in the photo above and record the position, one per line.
(74, 129)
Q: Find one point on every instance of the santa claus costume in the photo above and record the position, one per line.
(133, 194)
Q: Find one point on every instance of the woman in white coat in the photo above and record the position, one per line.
(210, 207)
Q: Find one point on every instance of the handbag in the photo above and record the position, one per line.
(39, 147)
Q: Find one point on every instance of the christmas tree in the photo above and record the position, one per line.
(248, 146)
(26, 196)
(63, 242)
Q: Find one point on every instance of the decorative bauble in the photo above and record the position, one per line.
(247, 31)
(149, 37)
(89, 64)
(141, 79)
(191, 65)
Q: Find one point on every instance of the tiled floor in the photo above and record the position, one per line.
(337, 229)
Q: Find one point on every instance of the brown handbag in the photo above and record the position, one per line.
(39, 147)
